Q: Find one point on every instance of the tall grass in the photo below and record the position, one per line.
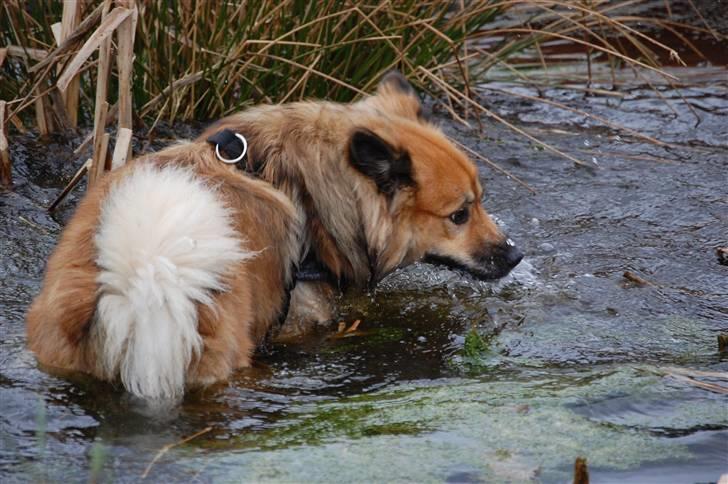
(203, 59)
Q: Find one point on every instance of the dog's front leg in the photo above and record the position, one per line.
(313, 304)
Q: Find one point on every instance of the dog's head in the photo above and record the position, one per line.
(431, 189)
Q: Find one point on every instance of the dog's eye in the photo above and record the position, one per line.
(460, 216)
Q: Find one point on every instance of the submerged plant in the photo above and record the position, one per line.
(97, 458)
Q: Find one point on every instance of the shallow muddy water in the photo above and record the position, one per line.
(451, 379)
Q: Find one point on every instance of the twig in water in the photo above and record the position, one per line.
(354, 326)
(690, 376)
(33, 225)
(74, 181)
(722, 343)
(343, 332)
(689, 372)
(496, 167)
(449, 89)
(168, 447)
(711, 387)
(596, 117)
(722, 253)
(632, 277)
(581, 471)
(619, 154)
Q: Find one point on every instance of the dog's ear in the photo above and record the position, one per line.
(394, 81)
(375, 158)
(396, 95)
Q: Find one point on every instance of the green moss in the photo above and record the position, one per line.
(419, 431)
(376, 337)
(476, 345)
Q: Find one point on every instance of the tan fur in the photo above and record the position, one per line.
(302, 150)
(58, 322)
(306, 198)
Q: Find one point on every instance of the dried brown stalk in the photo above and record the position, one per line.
(107, 27)
(101, 107)
(453, 92)
(581, 471)
(497, 167)
(122, 149)
(99, 156)
(77, 177)
(5, 164)
(25, 52)
(124, 62)
(632, 277)
(722, 343)
(110, 118)
(68, 44)
(711, 387)
(167, 448)
(69, 23)
(62, 119)
(41, 119)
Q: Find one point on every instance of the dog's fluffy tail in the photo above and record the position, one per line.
(165, 242)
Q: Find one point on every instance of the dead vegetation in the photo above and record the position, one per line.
(129, 64)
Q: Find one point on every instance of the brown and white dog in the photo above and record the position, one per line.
(176, 266)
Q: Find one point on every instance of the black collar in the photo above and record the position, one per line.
(312, 269)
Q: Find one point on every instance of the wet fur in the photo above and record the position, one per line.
(63, 320)
(362, 188)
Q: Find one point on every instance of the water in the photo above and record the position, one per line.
(451, 379)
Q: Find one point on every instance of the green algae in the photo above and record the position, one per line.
(424, 431)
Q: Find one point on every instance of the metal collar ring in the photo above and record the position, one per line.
(234, 160)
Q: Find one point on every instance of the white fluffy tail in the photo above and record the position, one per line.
(164, 243)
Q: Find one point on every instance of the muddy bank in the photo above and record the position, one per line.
(455, 380)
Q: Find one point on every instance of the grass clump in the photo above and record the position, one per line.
(199, 60)
(477, 345)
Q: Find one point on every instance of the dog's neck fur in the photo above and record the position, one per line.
(301, 149)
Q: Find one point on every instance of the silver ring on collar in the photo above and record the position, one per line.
(235, 160)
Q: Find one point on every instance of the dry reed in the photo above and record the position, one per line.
(193, 59)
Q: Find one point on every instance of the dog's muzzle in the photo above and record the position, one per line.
(507, 255)
(493, 262)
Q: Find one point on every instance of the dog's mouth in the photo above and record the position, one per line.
(488, 269)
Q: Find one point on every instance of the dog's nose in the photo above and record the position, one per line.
(511, 254)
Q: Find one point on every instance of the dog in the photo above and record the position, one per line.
(175, 267)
